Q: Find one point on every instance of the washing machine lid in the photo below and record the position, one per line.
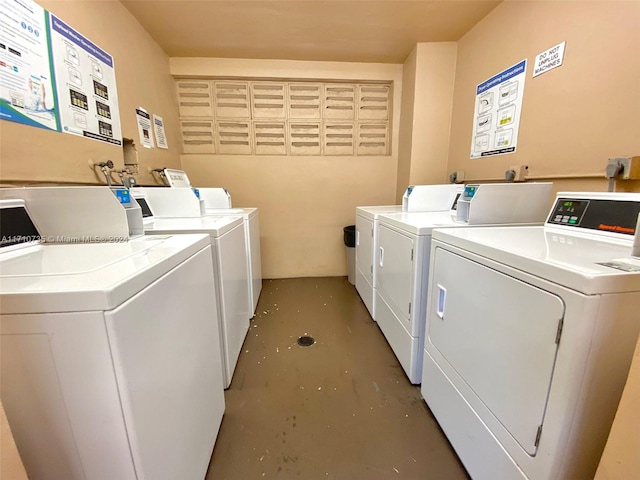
(49, 278)
(588, 263)
(245, 212)
(373, 212)
(418, 223)
(212, 225)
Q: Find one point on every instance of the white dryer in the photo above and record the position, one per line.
(110, 364)
(422, 198)
(530, 332)
(402, 257)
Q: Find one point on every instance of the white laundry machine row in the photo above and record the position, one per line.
(418, 198)
(402, 257)
(530, 332)
(216, 201)
(181, 202)
(110, 364)
(227, 238)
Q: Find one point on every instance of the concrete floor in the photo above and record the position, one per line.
(339, 409)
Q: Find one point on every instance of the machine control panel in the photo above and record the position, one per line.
(569, 212)
(616, 216)
(123, 195)
(177, 178)
(470, 191)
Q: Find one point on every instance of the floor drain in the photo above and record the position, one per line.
(306, 341)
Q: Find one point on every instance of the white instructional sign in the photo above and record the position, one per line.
(86, 85)
(158, 129)
(497, 112)
(143, 119)
(549, 60)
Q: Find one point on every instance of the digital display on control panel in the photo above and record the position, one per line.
(615, 216)
(470, 191)
(568, 212)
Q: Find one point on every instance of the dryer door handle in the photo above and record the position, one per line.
(381, 257)
(442, 301)
(357, 237)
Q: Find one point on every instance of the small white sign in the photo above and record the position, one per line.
(144, 127)
(158, 128)
(549, 60)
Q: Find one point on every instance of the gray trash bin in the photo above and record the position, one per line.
(350, 243)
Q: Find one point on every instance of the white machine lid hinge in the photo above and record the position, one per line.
(409, 310)
(559, 331)
(412, 254)
(372, 233)
(538, 435)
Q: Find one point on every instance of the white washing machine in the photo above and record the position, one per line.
(227, 238)
(181, 202)
(423, 198)
(402, 257)
(217, 201)
(110, 365)
(251, 222)
(530, 332)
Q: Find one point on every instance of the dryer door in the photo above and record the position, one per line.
(499, 335)
(394, 271)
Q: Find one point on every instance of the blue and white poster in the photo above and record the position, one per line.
(53, 77)
(27, 93)
(497, 112)
(86, 85)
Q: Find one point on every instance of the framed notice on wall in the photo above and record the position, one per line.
(497, 111)
(53, 77)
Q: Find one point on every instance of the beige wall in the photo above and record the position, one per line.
(425, 119)
(574, 117)
(30, 154)
(11, 466)
(304, 202)
(406, 123)
(621, 457)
